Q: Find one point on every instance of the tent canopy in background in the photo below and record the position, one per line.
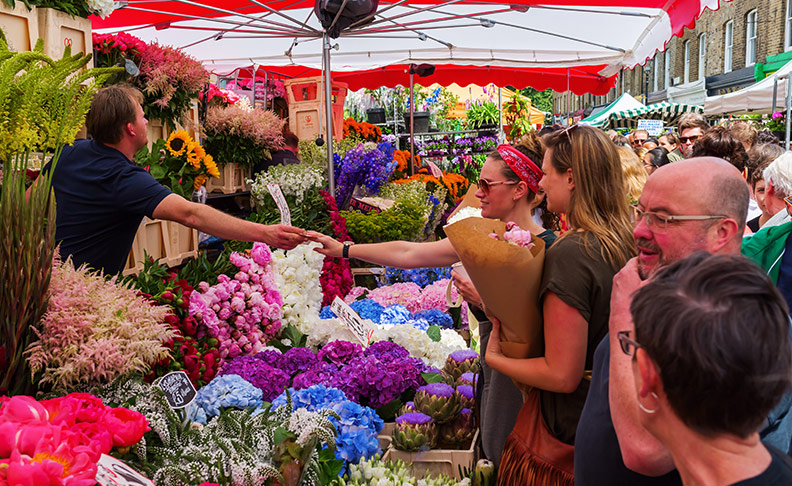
(558, 44)
(622, 103)
(757, 98)
(668, 112)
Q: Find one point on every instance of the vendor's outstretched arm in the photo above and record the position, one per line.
(640, 450)
(561, 368)
(398, 254)
(217, 223)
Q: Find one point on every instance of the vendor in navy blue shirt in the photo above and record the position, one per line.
(102, 195)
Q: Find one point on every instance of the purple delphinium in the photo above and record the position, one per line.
(414, 418)
(437, 390)
(320, 374)
(297, 360)
(271, 381)
(386, 351)
(463, 355)
(340, 352)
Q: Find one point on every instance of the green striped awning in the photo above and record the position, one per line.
(666, 111)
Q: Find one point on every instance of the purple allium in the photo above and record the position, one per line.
(437, 390)
(463, 355)
(466, 391)
(320, 374)
(271, 381)
(414, 418)
(386, 351)
(270, 357)
(340, 352)
(297, 360)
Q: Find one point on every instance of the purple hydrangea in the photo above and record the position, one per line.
(340, 352)
(466, 391)
(463, 355)
(320, 374)
(414, 418)
(369, 381)
(386, 351)
(437, 389)
(271, 357)
(297, 360)
(271, 381)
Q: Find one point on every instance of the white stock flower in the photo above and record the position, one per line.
(297, 278)
(466, 212)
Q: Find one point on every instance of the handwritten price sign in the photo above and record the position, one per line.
(178, 389)
(112, 472)
(362, 330)
(283, 206)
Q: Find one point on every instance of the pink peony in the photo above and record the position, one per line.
(23, 409)
(126, 426)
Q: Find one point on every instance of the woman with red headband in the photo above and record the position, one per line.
(508, 189)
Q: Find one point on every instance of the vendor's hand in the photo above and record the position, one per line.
(283, 236)
(494, 346)
(330, 246)
(625, 283)
(466, 289)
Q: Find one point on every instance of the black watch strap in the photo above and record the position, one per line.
(345, 252)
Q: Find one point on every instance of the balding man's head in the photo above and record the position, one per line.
(708, 188)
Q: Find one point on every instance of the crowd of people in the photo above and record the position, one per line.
(665, 298)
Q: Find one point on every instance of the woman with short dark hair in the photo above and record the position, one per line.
(657, 157)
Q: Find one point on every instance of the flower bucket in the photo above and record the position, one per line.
(420, 120)
(375, 115)
(20, 26)
(434, 462)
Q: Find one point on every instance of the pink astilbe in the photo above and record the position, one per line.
(165, 70)
(95, 330)
(263, 127)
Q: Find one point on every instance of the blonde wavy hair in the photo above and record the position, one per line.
(597, 203)
(634, 173)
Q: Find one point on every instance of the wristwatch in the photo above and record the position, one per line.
(345, 252)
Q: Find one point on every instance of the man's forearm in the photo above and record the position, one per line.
(217, 223)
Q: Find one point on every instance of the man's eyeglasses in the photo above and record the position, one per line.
(659, 222)
(691, 138)
(788, 202)
(628, 344)
(638, 141)
(486, 185)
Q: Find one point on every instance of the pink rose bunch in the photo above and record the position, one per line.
(515, 235)
(243, 312)
(58, 442)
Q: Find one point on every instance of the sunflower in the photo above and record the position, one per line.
(177, 142)
(199, 181)
(195, 154)
(211, 166)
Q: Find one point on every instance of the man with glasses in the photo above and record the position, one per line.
(639, 138)
(691, 205)
(690, 127)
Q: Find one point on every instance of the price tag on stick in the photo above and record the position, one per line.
(436, 172)
(179, 390)
(283, 207)
(362, 330)
(112, 472)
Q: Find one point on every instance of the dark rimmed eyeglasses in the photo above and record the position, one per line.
(691, 138)
(627, 343)
(486, 185)
(659, 222)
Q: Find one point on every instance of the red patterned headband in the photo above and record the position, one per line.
(525, 168)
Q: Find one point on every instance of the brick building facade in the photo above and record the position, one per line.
(728, 49)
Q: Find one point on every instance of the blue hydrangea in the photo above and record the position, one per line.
(227, 391)
(421, 324)
(395, 314)
(420, 276)
(435, 317)
(326, 313)
(365, 308)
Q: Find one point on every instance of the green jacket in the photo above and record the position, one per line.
(766, 247)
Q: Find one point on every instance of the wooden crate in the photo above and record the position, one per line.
(59, 29)
(437, 461)
(183, 243)
(232, 179)
(155, 130)
(20, 26)
(190, 122)
(170, 242)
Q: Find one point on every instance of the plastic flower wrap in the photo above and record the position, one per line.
(95, 330)
(414, 432)
(439, 401)
(270, 380)
(356, 428)
(228, 391)
(242, 313)
(514, 235)
(294, 180)
(297, 274)
(460, 430)
(462, 361)
(181, 164)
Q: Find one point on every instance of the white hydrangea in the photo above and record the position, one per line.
(466, 212)
(102, 8)
(297, 278)
(420, 345)
(294, 180)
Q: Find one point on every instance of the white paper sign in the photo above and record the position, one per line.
(653, 127)
(435, 169)
(112, 472)
(283, 207)
(362, 330)
(178, 389)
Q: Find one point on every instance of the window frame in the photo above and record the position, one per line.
(751, 41)
(666, 68)
(728, 46)
(686, 64)
(788, 27)
(702, 62)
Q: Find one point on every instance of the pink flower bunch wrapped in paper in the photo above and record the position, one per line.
(403, 293)
(514, 235)
(59, 441)
(242, 313)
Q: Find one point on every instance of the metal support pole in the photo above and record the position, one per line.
(501, 134)
(775, 94)
(412, 126)
(328, 93)
(788, 109)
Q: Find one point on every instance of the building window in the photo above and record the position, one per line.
(750, 38)
(788, 30)
(656, 74)
(728, 38)
(702, 64)
(686, 71)
(666, 69)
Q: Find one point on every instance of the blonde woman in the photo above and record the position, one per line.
(634, 173)
(582, 178)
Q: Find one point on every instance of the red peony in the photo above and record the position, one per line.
(126, 426)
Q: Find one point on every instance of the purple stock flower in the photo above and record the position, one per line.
(414, 418)
(438, 390)
(297, 360)
(463, 355)
(386, 351)
(340, 352)
(320, 374)
(271, 381)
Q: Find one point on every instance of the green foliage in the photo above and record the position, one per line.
(225, 147)
(77, 8)
(543, 100)
(312, 154)
(404, 221)
(201, 269)
(485, 113)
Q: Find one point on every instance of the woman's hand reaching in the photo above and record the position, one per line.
(466, 289)
(494, 346)
(330, 246)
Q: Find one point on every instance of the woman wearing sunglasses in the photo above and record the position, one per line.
(583, 179)
(509, 191)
